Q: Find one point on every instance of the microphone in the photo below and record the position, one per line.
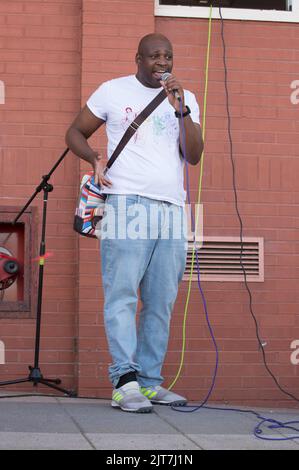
(164, 78)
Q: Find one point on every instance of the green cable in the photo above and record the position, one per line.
(198, 201)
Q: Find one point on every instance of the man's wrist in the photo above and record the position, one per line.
(185, 112)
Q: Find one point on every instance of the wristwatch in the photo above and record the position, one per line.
(178, 114)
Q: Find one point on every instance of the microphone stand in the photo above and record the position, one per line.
(35, 374)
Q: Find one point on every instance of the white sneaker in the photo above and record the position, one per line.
(162, 396)
(129, 398)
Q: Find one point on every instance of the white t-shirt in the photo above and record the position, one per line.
(150, 165)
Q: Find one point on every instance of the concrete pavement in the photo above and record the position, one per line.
(55, 423)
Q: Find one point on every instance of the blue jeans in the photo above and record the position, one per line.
(143, 248)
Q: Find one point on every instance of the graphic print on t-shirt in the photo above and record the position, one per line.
(129, 116)
(154, 127)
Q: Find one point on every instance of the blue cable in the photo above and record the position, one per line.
(184, 152)
(273, 424)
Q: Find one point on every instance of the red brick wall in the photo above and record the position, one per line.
(49, 73)
(40, 66)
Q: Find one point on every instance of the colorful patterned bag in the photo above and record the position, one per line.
(90, 207)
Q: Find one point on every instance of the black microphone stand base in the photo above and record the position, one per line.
(37, 378)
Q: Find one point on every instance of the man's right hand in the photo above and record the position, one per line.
(98, 168)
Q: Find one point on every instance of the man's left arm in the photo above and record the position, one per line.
(193, 134)
(194, 141)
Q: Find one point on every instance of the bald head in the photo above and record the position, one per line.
(150, 39)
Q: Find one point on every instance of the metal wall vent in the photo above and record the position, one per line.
(219, 259)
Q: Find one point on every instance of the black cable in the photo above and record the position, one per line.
(30, 395)
(240, 218)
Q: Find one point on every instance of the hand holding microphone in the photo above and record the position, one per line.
(173, 89)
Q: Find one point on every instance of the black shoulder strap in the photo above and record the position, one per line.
(133, 127)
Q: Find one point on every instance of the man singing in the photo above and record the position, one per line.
(149, 172)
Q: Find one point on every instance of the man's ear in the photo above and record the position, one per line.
(137, 58)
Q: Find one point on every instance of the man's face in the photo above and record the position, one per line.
(155, 58)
